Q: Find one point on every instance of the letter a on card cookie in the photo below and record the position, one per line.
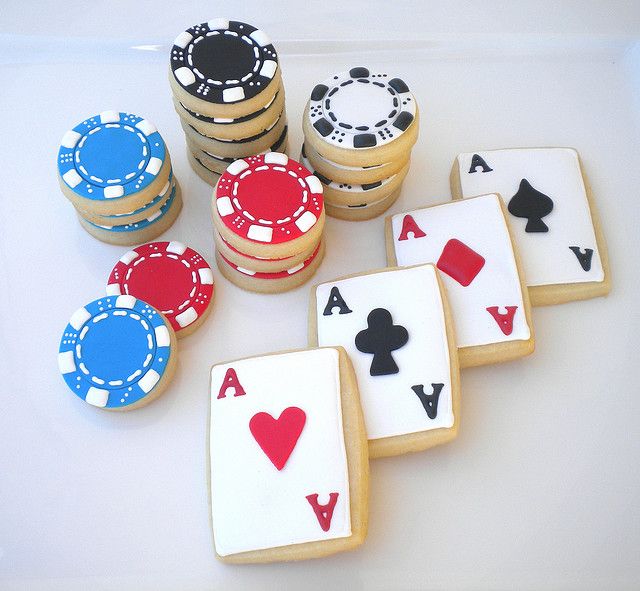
(288, 472)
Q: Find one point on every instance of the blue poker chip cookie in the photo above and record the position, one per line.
(117, 353)
(111, 156)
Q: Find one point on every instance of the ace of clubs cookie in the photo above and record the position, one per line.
(288, 457)
(469, 243)
(394, 326)
(551, 215)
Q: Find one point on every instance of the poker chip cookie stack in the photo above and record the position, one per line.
(268, 216)
(227, 89)
(359, 129)
(116, 171)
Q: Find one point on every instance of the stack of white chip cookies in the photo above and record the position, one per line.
(359, 129)
(116, 171)
(227, 90)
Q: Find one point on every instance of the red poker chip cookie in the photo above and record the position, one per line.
(269, 199)
(170, 276)
(278, 275)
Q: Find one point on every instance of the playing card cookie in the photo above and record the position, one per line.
(353, 174)
(360, 118)
(224, 68)
(552, 216)
(173, 278)
(296, 484)
(269, 206)
(117, 353)
(275, 282)
(112, 163)
(396, 328)
(470, 244)
(137, 232)
(228, 128)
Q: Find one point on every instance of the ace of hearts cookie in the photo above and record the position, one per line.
(551, 215)
(281, 459)
(470, 244)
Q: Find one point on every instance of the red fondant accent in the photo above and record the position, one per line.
(409, 225)
(460, 262)
(231, 381)
(278, 437)
(505, 321)
(324, 513)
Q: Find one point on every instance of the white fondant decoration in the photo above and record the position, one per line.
(412, 297)
(262, 233)
(187, 317)
(255, 506)
(546, 257)
(480, 225)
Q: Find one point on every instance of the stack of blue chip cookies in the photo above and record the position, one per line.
(115, 169)
(227, 89)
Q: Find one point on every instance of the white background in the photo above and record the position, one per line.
(542, 487)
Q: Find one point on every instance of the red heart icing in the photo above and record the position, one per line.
(278, 437)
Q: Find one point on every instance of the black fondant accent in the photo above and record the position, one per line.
(318, 92)
(531, 204)
(429, 401)
(380, 338)
(477, 160)
(323, 127)
(584, 258)
(369, 186)
(364, 140)
(336, 299)
(403, 120)
(359, 73)
(323, 179)
(398, 85)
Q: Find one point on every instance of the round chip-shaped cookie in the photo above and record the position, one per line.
(269, 206)
(138, 232)
(353, 194)
(229, 128)
(271, 282)
(364, 211)
(358, 118)
(241, 147)
(117, 353)
(112, 163)
(172, 277)
(353, 174)
(224, 68)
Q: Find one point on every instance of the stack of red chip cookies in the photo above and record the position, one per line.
(227, 90)
(268, 215)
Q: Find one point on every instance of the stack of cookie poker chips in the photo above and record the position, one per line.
(227, 90)
(359, 129)
(268, 215)
(116, 171)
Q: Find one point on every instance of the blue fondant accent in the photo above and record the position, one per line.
(114, 218)
(114, 350)
(144, 223)
(112, 153)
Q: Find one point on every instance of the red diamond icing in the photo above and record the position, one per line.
(460, 262)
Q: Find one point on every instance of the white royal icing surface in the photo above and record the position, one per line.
(412, 297)
(480, 225)
(546, 257)
(255, 506)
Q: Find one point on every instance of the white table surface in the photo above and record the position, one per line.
(541, 489)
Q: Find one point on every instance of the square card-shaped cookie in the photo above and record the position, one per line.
(551, 215)
(395, 326)
(469, 242)
(288, 457)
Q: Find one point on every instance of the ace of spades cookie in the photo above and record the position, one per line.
(288, 469)
(470, 244)
(551, 214)
(394, 325)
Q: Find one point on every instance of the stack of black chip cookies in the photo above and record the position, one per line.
(227, 90)
(359, 128)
